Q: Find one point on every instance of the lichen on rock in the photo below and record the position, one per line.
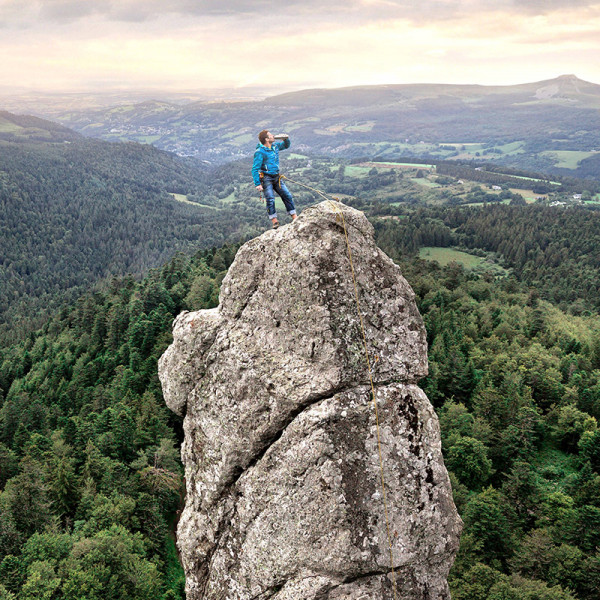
(284, 497)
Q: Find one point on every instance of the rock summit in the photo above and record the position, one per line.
(284, 495)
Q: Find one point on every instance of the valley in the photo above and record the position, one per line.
(549, 126)
(105, 240)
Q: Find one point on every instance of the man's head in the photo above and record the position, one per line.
(265, 137)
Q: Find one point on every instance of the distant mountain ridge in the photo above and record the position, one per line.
(569, 86)
(518, 125)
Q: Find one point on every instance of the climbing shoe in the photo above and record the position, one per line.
(275, 224)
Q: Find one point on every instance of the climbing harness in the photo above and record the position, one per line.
(335, 206)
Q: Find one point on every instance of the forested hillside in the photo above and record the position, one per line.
(90, 475)
(15, 128)
(554, 250)
(77, 212)
(72, 214)
(516, 383)
(89, 470)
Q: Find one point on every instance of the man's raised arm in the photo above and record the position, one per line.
(285, 141)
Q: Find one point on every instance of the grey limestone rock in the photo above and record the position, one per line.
(284, 495)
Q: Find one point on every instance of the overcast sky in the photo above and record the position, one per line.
(77, 45)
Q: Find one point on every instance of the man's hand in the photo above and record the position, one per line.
(259, 187)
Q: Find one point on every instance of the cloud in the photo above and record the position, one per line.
(21, 13)
(542, 7)
(66, 11)
(190, 44)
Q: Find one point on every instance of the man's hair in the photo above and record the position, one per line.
(262, 136)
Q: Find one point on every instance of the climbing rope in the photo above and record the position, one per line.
(323, 195)
(362, 328)
(334, 203)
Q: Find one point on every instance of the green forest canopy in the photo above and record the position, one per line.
(88, 456)
(90, 477)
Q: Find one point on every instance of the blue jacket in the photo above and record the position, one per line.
(267, 159)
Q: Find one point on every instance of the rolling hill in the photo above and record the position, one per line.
(536, 125)
(75, 211)
(21, 128)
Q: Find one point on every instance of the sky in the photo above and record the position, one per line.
(183, 45)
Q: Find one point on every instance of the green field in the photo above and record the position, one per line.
(244, 138)
(465, 150)
(448, 255)
(231, 198)
(425, 182)
(528, 195)
(511, 147)
(567, 159)
(361, 127)
(355, 171)
(148, 139)
(7, 126)
(183, 198)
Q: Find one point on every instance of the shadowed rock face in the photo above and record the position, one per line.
(284, 497)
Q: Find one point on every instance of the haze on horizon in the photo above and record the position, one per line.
(101, 45)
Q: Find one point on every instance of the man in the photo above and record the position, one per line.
(265, 172)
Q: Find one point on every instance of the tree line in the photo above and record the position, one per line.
(74, 214)
(555, 250)
(90, 474)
